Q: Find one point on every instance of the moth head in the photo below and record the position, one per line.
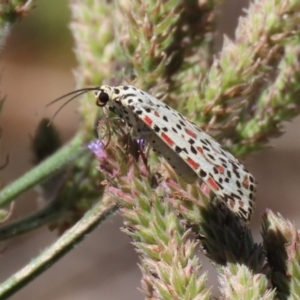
(103, 95)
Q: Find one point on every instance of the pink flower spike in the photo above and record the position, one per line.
(120, 194)
(205, 189)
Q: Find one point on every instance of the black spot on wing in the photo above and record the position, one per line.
(128, 95)
(202, 174)
(193, 150)
(178, 149)
(156, 128)
(165, 119)
(211, 156)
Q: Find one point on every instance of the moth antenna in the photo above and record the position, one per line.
(67, 102)
(77, 92)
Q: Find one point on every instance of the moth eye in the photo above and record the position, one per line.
(102, 99)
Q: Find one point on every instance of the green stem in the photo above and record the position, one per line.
(43, 170)
(46, 215)
(62, 246)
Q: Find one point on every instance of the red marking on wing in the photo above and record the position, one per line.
(212, 183)
(192, 163)
(221, 169)
(246, 183)
(167, 139)
(231, 203)
(191, 133)
(200, 150)
(148, 121)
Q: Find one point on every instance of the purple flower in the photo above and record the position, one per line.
(97, 147)
(142, 143)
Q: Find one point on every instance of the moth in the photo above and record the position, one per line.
(189, 150)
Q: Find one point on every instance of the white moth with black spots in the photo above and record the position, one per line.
(190, 151)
